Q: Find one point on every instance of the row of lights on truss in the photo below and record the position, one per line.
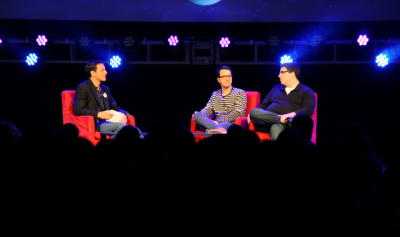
(173, 41)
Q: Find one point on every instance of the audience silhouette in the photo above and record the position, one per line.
(226, 185)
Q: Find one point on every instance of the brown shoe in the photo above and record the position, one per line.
(218, 130)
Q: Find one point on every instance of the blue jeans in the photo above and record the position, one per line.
(267, 122)
(206, 124)
(111, 127)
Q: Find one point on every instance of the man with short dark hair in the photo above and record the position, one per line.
(93, 98)
(226, 104)
(283, 102)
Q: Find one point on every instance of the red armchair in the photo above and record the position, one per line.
(85, 124)
(253, 100)
(266, 137)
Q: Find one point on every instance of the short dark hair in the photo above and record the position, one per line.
(224, 67)
(293, 67)
(91, 66)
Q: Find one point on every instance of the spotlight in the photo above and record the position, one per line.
(31, 59)
(115, 61)
(41, 40)
(317, 41)
(286, 59)
(1, 44)
(224, 42)
(129, 42)
(362, 40)
(173, 40)
(274, 41)
(84, 42)
(382, 60)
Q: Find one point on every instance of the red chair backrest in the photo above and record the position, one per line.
(253, 100)
(68, 103)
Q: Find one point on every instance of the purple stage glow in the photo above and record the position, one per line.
(1, 41)
(173, 40)
(224, 42)
(362, 40)
(41, 40)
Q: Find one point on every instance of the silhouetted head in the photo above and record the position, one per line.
(128, 133)
(71, 129)
(304, 124)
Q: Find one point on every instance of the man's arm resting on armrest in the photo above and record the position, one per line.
(288, 115)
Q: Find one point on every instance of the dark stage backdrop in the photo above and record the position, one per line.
(31, 97)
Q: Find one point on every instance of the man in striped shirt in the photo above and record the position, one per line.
(226, 104)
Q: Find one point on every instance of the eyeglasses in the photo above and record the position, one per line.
(281, 72)
(226, 76)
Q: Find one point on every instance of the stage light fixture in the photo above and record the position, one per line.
(115, 61)
(84, 42)
(129, 42)
(1, 44)
(286, 59)
(173, 40)
(382, 60)
(316, 41)
(31, 59)
(362, 40)
(224, 42)
(41, 40)
(274, 41)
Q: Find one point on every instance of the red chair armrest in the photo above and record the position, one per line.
(252, 127)
(131, 120)
(193, 126)
(241, 121)
(85, 124)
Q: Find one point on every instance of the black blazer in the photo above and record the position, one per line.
(87, 102)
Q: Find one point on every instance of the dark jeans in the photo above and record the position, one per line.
(206, 124)
(267, 122)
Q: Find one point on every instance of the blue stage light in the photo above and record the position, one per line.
(115, 61)
(382, 60)
(286, 59)
(31, 59)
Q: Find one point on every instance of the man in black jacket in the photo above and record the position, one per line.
(92, 98)
(283, 102)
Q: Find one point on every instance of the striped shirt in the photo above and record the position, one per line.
(226, 108)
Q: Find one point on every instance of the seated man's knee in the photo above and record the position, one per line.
(255, 114)
(196, 116)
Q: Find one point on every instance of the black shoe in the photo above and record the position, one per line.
(288, 122)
